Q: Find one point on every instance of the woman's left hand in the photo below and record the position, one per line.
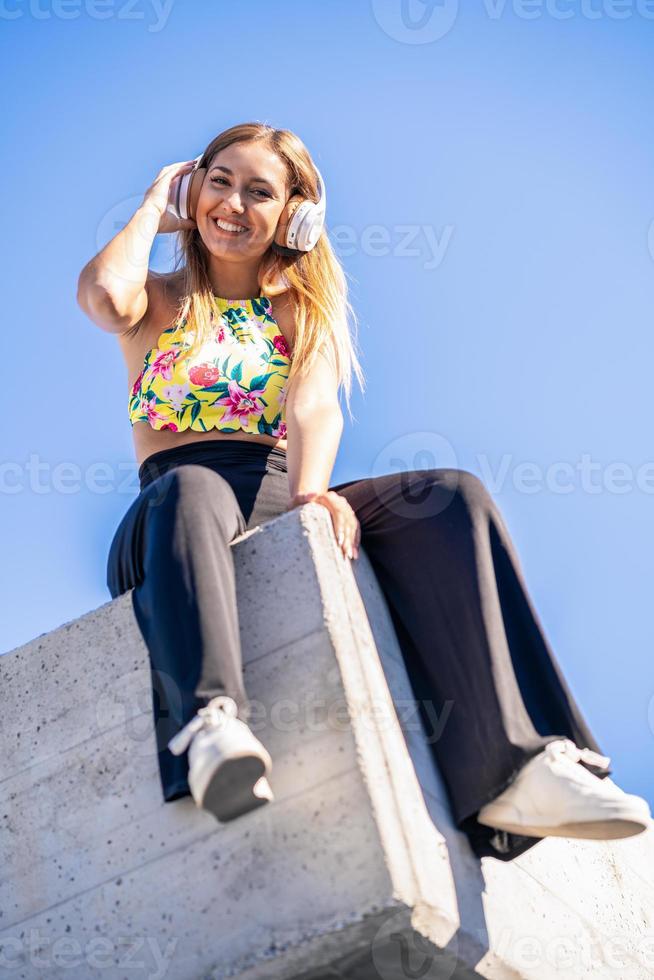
(347, 529)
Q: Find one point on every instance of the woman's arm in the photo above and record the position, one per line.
(314, 425)
(112, 286)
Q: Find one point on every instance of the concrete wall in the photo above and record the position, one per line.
(355, 870)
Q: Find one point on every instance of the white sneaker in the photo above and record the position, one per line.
(554, 796)
(228, 765)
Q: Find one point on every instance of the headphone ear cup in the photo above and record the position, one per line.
(173, 199)
(194, 188)
(285, 219)
(309, 227)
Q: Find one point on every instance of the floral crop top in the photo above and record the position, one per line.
(235, 382)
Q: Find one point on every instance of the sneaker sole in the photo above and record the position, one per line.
(615, 829)
(230, 791)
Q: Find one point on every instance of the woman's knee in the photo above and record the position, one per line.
(444, 485)
(123, 561)
(427, 494)
(468, 487)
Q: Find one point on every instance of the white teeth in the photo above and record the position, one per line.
(226, 226)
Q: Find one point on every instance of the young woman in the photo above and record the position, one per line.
(235, 361)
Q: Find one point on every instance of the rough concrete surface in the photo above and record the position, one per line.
(354, 871)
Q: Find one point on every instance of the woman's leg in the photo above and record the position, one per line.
(489, 688)
(172, 549)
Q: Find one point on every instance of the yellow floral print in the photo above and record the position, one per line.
(235, 382)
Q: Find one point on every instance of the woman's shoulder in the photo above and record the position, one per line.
(283, 311)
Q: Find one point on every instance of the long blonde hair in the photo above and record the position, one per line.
(315, 280)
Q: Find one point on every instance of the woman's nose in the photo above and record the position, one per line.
(234, 201)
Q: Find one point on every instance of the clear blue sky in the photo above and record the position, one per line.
(505, 305)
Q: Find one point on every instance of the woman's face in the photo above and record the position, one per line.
(245, 185)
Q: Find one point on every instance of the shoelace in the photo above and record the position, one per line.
(568, 748)
(214, 714)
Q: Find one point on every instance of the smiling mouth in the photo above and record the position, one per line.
(228, 227)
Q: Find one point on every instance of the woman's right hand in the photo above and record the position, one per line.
(345, 523)
(158, 196)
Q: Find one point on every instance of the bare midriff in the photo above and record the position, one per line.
(148, 440)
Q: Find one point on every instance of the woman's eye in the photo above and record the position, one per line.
(217, 180)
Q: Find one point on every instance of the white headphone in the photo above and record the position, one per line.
(300, 223)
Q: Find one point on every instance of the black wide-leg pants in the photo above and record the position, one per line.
(487, 685)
